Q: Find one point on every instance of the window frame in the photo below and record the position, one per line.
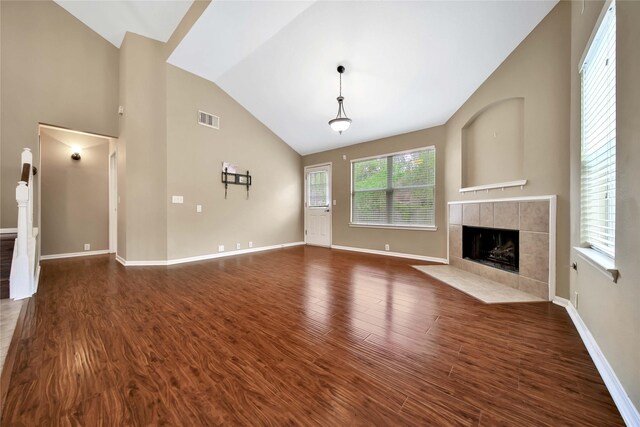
(394, 226)
(601, 253)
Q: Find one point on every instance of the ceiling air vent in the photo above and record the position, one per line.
(206, 119)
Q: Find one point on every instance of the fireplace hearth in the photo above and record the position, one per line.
(494, 247)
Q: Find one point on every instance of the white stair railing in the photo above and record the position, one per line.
(22, 278)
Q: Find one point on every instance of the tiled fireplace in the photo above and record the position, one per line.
(511, 242)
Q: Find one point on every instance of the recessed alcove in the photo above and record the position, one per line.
(492, 146)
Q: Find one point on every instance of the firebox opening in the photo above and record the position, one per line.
(494, 247)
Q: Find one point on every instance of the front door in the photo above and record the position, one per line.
(317, 203)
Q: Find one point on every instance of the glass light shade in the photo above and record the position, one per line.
(340, 124)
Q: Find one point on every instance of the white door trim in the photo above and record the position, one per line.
(113, 202)
(304, 202)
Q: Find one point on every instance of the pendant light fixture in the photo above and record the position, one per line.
(341, 122)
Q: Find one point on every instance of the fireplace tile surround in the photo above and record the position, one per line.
(535, 221)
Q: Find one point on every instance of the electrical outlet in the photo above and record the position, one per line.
(576, 300)
(237, 245)
(250, 244)
(386, 246)
(220, 248)
(198, 208)
(87, 247)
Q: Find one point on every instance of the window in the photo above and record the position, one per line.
(394, 190)
(598, 153)
(318, 189)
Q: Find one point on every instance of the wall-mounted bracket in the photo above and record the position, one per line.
(235, 179)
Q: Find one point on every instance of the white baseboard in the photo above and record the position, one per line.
(74, 254)
(8, 230)
(204, 257)
(37, 279)
(562, 302)
(628, 411)
(393, 254)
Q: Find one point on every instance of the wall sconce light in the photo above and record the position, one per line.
(76, 152)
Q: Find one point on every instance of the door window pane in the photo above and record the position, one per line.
(318, 189)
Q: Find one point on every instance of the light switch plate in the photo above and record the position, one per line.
(198, 208)
(334, 203)
(177, 199)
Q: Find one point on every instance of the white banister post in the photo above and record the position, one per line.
(27, 157)
(20, 280)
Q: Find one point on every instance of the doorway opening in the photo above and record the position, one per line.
(317, 205)
(77, 195)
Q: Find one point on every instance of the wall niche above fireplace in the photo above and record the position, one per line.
(494, 247)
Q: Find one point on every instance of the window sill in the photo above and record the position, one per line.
(600, 261)
(395, 227)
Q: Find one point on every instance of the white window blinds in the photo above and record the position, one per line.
(318, 189)
(598, 169)
(396, 190)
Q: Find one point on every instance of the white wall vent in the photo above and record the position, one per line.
(207, 119)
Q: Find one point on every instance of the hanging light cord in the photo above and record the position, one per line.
(340, 105)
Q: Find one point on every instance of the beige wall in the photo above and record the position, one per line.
(272, 214)
(426, 243)
(497, 129)
(163, 152)
(75, 194)
(610, 310)
(142, 150)
(54, 70)
(538, 71)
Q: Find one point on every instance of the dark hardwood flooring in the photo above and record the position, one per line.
(298, 336)
(7, 242)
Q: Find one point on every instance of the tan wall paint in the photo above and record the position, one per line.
(54, 70)
(497, 129)
(143, 141)
(272, 214)
(75, 196)
(538, 71)
(426, 243)
(610, 310)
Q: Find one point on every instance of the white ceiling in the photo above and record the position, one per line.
(113, 18)
(409, 65)
(74, 138)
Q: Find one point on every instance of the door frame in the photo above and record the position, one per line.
(113, 202)
(329, 166)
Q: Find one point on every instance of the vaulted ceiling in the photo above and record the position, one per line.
(409, 65)
(113, 18)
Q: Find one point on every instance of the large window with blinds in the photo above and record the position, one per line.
(598, 151)
(394, 190)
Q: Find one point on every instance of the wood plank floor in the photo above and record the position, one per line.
(298, 336)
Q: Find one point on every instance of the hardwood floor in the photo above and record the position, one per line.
(295, 336)
(7, 242)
